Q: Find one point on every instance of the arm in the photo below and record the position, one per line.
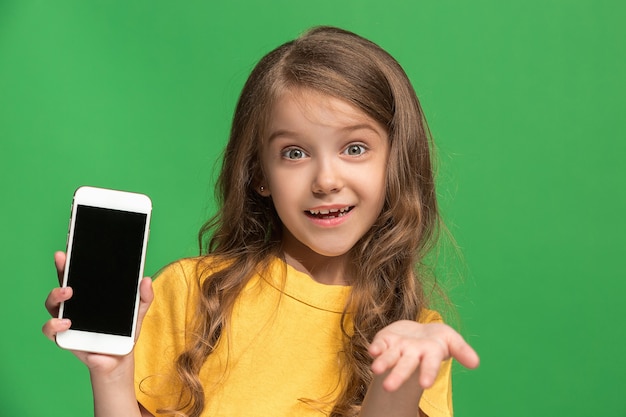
(403, 401)
(114, 392)
(407, 356)
(111, 376)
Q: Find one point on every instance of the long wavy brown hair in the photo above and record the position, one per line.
(245, 234)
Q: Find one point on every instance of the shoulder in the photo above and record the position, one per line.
(186, 271)
(177, 293)
(427, 316)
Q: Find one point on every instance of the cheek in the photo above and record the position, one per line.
(379, 194)
(283, 185)
(284, 192)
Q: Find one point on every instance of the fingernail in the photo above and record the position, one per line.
(65, 322)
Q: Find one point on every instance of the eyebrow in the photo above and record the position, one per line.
(280, 132)
(351, 128)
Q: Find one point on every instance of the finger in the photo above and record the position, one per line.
(385, 361)
(54, 326)
(429, 368)
(405, 366)
(146, 295)
(59, 263)
(377, 347)
(56, 297)
(463, 352)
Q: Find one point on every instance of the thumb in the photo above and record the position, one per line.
(463, 353)
(146, 295)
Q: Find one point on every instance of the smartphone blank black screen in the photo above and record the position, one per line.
(104, 269)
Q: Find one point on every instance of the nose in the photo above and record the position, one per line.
(328, 178)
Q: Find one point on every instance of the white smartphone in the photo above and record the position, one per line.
(106, 251)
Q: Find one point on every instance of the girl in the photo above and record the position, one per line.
(309, 300)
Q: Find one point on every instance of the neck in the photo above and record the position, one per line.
(323, 269)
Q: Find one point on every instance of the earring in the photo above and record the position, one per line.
(262, 188)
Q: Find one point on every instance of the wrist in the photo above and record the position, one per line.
(403, 401)
(113, 386)
(111, 369)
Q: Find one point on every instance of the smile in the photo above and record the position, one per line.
(329, 213)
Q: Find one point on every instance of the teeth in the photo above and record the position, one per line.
(341, 211)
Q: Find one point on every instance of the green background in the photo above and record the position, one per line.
(525, 100)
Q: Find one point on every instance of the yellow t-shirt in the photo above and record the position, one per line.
(281, 356)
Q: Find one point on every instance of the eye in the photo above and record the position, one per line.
(355, 150)
(293, 153)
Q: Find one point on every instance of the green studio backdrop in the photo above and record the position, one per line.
(525, 100)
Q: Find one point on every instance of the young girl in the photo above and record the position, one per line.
(309, 300)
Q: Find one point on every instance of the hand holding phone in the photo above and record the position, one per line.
(104, 265)
(96, 362)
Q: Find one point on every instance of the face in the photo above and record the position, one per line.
(324, 166)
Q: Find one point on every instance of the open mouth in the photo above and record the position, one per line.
(329, 214)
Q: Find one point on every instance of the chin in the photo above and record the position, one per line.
(331, 253)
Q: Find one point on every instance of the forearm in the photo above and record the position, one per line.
(400, 403)
(114, 393)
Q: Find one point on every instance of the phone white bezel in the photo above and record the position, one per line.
(109, 199)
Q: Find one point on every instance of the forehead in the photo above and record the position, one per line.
(296, 107)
